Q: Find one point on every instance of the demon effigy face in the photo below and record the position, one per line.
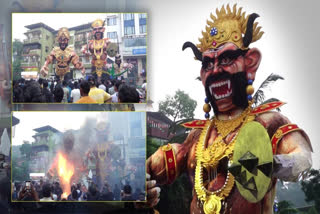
(63, 37)
(227, 62)
(63, 43)
(98, 29)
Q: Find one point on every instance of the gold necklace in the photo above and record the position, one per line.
(225, 127)
(210, 157)
(98, 45)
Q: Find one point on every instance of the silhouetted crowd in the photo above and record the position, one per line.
(80, 91)
(44, 191)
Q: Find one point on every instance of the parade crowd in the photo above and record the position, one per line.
(79, 91)
(46, 191)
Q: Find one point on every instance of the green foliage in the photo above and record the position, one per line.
(176, 198)
(311, 188)
(20, 171)
(26, 150)
(286, 207)
(152, 146)
(179, 106)
(17, 48)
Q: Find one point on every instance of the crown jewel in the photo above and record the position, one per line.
(97, 23)
(228, 26)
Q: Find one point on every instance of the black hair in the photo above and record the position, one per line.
(58, 94)
(92, 81)
(127, 189)
(64, 83)
(128, 94)
(76, 85)
(117, 84)
(85, 86)
(46, 190)
(45, 83)
(33, 93)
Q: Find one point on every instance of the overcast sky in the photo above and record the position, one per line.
(61, 121)
(53, 20)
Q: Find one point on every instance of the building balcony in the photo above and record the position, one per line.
(29, 65)
(36, 52)
(32, 40)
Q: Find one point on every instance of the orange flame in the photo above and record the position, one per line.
(65, 171)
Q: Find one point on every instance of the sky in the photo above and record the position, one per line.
(61, 121)
(53, 20)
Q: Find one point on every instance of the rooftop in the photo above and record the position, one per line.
(46, 128)
(160, 116)
(39, 25)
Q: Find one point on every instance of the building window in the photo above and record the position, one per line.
(128, 16)
(143, 29)
(47, 49)
(134, 42)
(112, 21)
(47, 37)
(129, 30)
(112, 35)
(142, 16)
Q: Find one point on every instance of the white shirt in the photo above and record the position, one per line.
(75, 94)
(114, 98)
(103, 87)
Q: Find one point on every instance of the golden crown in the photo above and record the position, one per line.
(229, 26)
(63, 32)
(97, 23)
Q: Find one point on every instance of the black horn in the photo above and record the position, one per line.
(248, 35)
(194, 48)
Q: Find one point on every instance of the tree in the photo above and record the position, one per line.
(311, 188)
(285, 207)
(26, 149)
(17, 48)
(179, 106)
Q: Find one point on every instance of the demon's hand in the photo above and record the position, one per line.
(44, 70)
(153, 192)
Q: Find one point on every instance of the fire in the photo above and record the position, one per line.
(65, 171)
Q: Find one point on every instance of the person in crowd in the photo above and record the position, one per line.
(102, 86)
(84, 91)
(114, 97)
(46, 192)
(98, 94)
(58, 93)
(46, 92)
(93, 194)
(65, 92)
(28, 193)
(128, 94)
(75, 93)
(33, 93)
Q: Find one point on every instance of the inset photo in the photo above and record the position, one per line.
(78, 156)
(79, 57)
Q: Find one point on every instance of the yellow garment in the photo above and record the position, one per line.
(86, 99)
(99, 95)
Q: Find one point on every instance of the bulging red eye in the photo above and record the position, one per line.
(226, 61)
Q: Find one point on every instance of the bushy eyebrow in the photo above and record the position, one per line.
(206, 60)
(232, 54)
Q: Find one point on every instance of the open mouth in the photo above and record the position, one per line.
(221, 89)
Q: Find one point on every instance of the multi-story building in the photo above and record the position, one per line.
(128, 30)
(43, 148)
(37, 46)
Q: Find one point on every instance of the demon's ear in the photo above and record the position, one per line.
(252, 61)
